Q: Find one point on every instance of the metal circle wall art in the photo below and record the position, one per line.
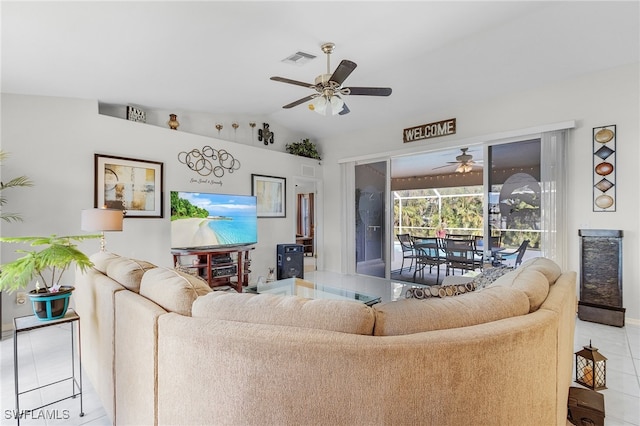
(604, 169)
(209, 161)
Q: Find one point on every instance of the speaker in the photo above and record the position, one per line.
(290, 261)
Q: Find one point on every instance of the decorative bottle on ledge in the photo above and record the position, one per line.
(173, 122)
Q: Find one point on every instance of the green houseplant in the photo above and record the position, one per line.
(17, 182)
(47, 265)
(304, 148)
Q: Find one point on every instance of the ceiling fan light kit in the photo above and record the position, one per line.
(328, 88)
(464, 168)
(464, 162)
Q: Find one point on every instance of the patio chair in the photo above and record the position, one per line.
(429, 252)
(461, 254)
(518, 254)
(408, 252)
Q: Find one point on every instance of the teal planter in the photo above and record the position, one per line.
(49, 306)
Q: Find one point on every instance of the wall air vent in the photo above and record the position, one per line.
(299, 58)
(308, 171)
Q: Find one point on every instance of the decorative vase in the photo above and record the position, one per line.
(173, 122)
(49, 306)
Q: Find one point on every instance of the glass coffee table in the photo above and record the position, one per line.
(310, 290)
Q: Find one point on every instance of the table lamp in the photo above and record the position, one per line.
(102, 220)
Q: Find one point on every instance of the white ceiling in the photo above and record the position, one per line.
(217, 57)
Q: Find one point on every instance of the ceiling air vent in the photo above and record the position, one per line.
(298, 58)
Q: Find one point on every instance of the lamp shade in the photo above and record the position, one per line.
(101, 220)
(320, 105)
(336, 105)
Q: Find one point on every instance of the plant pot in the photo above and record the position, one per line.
(49, 306)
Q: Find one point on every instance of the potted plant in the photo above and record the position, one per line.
(50, 299)
(17, 182)
(304, 148)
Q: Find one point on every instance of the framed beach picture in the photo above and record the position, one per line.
(270, 192)
(134, 186)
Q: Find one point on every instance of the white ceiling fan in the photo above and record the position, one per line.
(464, 162)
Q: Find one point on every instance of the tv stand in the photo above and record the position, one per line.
(219, 266)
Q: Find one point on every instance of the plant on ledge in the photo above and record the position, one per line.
(304, 148)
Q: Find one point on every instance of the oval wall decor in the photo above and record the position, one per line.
(604, 164)
(604, 201)
(604, 135)
(604, 168)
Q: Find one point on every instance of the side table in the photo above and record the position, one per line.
(29, 323)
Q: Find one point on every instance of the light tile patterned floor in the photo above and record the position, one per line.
(41, 349)
(45, 357)
(621, 347)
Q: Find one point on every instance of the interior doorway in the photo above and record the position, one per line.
(307, 220)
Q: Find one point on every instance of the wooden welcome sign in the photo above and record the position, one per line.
(431, 130)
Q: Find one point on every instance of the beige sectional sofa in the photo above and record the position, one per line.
(160, 347)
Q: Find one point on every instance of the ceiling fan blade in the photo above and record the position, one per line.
(300, 101)
(345, 110)
(442, 167)
(345, 68)
(369, 91)
(297, 83)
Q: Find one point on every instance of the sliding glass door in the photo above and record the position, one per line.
(514, 194)
(370, 218)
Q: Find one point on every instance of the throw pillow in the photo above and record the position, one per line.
(488, 276)
(439, 291)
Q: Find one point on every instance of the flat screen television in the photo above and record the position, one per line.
(201, 221)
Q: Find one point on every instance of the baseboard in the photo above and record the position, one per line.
(632, 321)
(7, 331)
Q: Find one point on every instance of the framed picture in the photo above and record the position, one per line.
(270, 192)
(134, 186)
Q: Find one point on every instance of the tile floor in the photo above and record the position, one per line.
(621, 346)
(42, 348)
(45, 357)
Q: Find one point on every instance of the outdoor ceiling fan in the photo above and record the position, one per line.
(328, 87)
(464, 162)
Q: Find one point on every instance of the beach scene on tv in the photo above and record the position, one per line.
(206, 220)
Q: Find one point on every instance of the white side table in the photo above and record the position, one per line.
(29, 323)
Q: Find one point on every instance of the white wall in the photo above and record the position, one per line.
(610, 97)
(53, 141)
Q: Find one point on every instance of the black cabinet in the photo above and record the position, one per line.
(290, 261)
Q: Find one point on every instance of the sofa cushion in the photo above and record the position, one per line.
(532, 282)
(547, 267)
(102, 259)
(128, 272)
(175, 291)
(333, 315)
(410, 316)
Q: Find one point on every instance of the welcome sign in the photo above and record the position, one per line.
(431, 130)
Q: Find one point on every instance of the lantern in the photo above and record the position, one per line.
(591, 368)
